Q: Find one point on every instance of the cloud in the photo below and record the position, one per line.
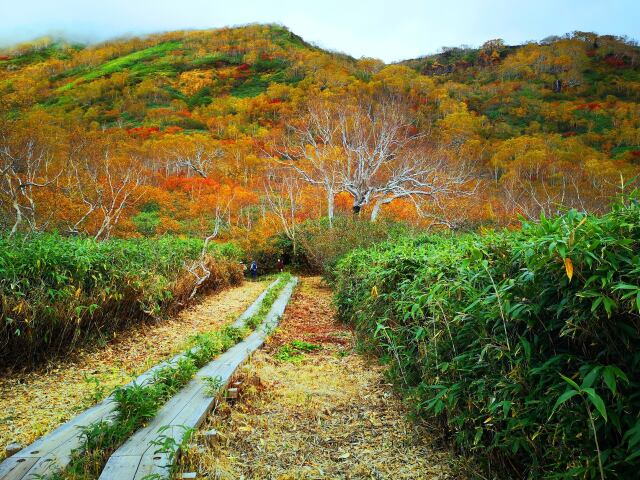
(391, 30)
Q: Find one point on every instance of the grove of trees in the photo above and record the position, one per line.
(191, 132)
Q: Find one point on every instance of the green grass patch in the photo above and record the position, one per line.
(251, 88)
(617, 151)
(295, 351)
(217, 60)
(130, 61)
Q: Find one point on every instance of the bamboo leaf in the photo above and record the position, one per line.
(570, 382)
(568, 266)
(597, 402)
(565, 397)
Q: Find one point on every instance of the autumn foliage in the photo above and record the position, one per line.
(172, 133)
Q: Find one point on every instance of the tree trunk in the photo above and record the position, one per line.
(557, 86)
(375, 211)
(18, 210)
(330, 206)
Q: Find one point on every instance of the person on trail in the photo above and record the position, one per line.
(280, 265)
(254, 269)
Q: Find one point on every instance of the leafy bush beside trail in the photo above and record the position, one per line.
(56, 292)
(524, 346)
(319, 247)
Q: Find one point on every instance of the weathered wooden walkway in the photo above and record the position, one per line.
(140, 457)
(53, 451)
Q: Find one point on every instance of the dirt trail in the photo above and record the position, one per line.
(34, 403)
(315, 414)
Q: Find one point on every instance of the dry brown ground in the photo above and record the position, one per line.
(324, 415)
(34, 403)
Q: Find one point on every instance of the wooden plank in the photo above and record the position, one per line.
(53, 451)
(17, 467)
(189, 407)
(125, 469)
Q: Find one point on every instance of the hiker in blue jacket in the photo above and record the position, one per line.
(254, 269)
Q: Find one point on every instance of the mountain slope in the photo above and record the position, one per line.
(549, 125)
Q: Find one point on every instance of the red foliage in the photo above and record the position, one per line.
(635, 153)
(276, 100)
(615, 61)
(173, 129)
(143, 132)
(569, 134)
(589, 106)
(189, 184)
(242, 71)
(5, 57)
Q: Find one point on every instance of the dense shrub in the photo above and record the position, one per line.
(319, 247)
(56, 292)
(524, 346)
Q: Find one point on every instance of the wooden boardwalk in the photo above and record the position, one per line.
(53, 451)
(140, 457)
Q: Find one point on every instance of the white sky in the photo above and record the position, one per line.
(390, 30)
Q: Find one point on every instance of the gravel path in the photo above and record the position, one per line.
(312, 408)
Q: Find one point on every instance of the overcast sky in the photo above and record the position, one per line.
(390, 29)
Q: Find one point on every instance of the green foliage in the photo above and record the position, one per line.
(135, 405)
(285, 38)
(213, 385)
(215, 60)
(320, 247)
(200, 98)
(39, 54)
(251, 88)
(594, 121)
(295, 351)
(269, 65)
(131, 60)
(57, 292)
(259, 317)
(523, 345)
(147, 223)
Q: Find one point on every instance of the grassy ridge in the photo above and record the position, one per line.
(524, 346)
(127, 61)
(56, 292)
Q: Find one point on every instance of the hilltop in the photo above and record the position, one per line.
(163, 80)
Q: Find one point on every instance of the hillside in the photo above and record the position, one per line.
(590, 81)
(475, 212)
(546, 126)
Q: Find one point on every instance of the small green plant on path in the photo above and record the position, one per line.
(295, 351)
(213, 385)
